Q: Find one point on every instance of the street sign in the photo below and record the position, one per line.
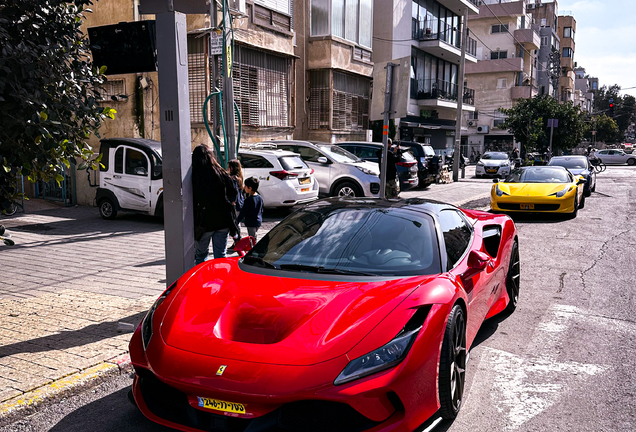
(216, 42)
(553, 123)
(400, 88)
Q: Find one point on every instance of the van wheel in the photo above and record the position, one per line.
(107, 209)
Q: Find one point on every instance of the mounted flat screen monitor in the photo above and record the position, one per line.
(127, 47)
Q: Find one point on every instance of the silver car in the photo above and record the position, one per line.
(495, 164)
(339, 173)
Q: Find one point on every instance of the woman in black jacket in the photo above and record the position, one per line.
(214, 195)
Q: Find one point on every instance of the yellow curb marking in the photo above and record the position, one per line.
(37, 395)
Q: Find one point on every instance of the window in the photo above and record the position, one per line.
(319, 17)
(277, 5)
(254, 161)
(350, 102)
(498, 55)
(567, 52)
(457, 236)
(499, 119)
(543, 22)
(544, 40)
(350, 19)
(568, 32)
(196, 77)
(499, 28)
(119, 160)
(261, 87)
(319, 99)
(502, 83)
(366, 153)
(473, 115)
(113, 90)
(136, 163)
(292, 163)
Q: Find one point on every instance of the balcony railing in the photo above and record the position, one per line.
(439, 89)
(425, 30)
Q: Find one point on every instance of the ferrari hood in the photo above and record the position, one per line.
(223, 311)
(532, 189)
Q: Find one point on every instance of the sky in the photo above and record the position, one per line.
(605, 39)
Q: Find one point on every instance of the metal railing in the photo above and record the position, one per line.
(424, 30)
(439, 89)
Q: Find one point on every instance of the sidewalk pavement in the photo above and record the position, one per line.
(75, 286)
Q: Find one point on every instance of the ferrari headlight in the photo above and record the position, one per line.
(146, 325)
(562, 192)
(367, 171)
(388, 355)
(499, 192)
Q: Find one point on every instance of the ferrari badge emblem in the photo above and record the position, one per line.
(221, 370)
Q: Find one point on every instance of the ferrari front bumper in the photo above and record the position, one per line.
(533, 204)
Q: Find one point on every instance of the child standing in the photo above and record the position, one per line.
(252, 212)
(235, 171)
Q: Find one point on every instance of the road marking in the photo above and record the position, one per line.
(522, 387)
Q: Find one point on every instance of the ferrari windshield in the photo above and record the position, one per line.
(495, 156)
(570, 162)
(358, 240)
(542, 174)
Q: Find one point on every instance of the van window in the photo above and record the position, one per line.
(119, 160)
(134, 160)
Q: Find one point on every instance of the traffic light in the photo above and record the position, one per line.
(611, 107)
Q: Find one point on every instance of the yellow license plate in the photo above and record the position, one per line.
(219, 405)
(305, 190)
(305, 180)
(492, 170)
(526, 206)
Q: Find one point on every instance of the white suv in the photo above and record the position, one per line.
(284, 178)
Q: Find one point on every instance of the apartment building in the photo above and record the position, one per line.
(584, 93)
(334, 67)
(545, 15)
(505, 71)
(427, 35)
(567, 30)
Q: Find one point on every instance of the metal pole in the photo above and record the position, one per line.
(214, 22)
(551, 132)
(174, 104)
(460, 99)
(385, 128)
(228, 90)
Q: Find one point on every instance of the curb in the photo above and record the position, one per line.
(26, 403)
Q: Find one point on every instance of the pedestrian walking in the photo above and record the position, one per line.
(392, 189)
(252, 212)
(214, 193)
(236, 174)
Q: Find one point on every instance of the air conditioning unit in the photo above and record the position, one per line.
(530, 6)
(471, 123)
(482, 129)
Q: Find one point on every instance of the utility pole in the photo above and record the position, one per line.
(460, 99)
(385, 127)
(228, 90)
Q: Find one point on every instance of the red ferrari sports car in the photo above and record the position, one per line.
(350, 315)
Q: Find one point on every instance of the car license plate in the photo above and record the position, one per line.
(305, 180)
(526, 206)
(220, 405)
(492, 170)
(304, 190)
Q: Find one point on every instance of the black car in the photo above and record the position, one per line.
(578, 165)
(368, 151)
(427, 171)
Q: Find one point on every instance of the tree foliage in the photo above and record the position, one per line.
(624, 107)
(48, 91)
(528, 122)
(606, 129)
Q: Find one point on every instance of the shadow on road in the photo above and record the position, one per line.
(110, 413)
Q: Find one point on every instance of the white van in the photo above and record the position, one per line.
(131, 179)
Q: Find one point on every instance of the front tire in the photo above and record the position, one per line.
(576, 208)
(347, 189)
(452, 364)
(582, 202)
(107, 209)
(631, 162)
(512, 281)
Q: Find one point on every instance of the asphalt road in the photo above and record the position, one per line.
(563, 361)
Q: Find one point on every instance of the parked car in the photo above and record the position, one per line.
(349, 315)
(424, 154)
(285, 179)
(496, 164)
(579, 166)
(339, 173)
(615, 156)
(130, 178)
(368, 151)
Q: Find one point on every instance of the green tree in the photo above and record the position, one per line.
(624, 107)
(528, 122)
(605, 127)
(48, 91)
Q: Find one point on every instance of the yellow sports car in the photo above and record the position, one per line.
(539, 189)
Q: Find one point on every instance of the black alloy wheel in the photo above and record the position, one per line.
(452, 365)
(107, 209)
(512, 281)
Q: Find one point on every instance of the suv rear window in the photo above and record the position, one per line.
(291, 163)
(254, 161)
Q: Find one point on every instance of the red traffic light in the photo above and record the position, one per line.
(611, 105)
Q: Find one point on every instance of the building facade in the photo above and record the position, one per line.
(427, 34)
(506, 71)
(333, 69)
(545, 15)
(584, 93)
(567, 31)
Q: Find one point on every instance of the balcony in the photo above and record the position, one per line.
(529, 38)
(567, 62)
(439, 93)
(442, 40)
(514, 64)
(521, 92)
(460, 5)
